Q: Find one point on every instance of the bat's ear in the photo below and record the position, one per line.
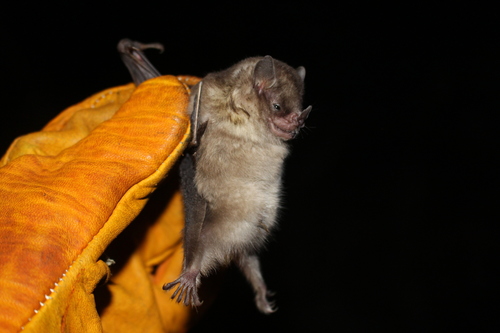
(302, 72)
(264, 74)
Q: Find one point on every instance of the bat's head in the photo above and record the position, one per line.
(280, 89)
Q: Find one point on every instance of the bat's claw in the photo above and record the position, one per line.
(263, 304)
(186, 291)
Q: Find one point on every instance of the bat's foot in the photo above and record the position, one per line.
(250, 266)
(187, 290)
(263, 304)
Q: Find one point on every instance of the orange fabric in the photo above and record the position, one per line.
(70, 190)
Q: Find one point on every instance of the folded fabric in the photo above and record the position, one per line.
(70, 190)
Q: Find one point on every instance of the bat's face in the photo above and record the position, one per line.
(280, 89)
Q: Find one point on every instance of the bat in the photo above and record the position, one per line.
(231, 175)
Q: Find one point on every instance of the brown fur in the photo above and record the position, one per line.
(233, 197)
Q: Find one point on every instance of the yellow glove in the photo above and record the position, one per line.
(68, 191)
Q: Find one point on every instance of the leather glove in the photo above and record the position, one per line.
(70, 190)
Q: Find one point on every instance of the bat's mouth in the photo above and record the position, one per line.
(283, 133)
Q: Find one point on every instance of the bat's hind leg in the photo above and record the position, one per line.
(250, 266)
(187, 289)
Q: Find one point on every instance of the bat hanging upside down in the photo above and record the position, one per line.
(241, 118)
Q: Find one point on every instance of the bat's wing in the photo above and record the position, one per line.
(138, 65)
(195, 207)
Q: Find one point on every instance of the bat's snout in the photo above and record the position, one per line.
(287, 127)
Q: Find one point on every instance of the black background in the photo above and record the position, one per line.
(385, 225)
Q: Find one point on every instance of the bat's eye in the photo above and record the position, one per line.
(277, 107)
